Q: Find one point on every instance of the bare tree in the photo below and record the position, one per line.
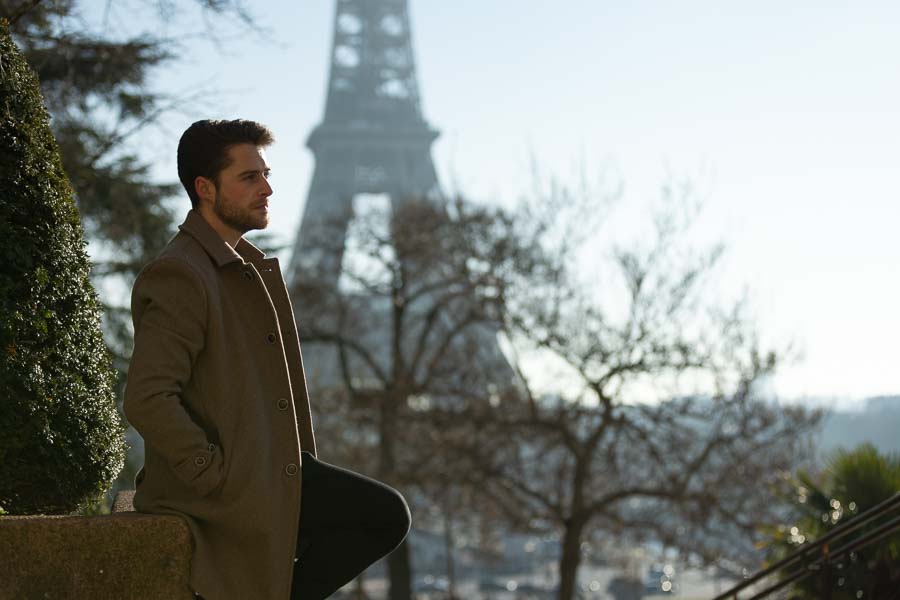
(411, 322)
(658, 427)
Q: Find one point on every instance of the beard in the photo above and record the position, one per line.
(238, 218)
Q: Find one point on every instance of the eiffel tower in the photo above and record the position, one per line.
(373, 139)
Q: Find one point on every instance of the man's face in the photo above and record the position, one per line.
(242, 193)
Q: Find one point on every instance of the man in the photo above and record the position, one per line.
(217, 390)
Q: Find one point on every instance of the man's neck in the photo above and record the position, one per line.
(231, 236)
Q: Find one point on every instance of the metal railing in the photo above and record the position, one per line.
(820, 556)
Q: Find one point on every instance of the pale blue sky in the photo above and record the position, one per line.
(785, 114)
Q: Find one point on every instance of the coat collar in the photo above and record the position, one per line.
(220, 251)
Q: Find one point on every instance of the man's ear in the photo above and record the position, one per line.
(205, 189)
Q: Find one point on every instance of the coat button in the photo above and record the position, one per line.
(200, 461)
(283, 404)
(211, 447)
(248, 275)
(271, 338)
(291, 470)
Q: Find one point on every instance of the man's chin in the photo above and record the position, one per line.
(259, 218)
(252, 224)
(244, 221)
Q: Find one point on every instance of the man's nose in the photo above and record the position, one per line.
(267, 189)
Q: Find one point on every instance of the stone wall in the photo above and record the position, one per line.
(122, 556)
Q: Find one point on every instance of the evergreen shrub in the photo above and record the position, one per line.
(60, 433)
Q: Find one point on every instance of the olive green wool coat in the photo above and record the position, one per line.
(217, 390)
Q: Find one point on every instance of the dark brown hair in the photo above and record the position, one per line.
(203, 148)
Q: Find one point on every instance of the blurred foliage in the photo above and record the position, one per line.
(60, 435)
(853, 482)
(95, 89)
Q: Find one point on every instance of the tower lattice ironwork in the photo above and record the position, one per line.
(373, 139)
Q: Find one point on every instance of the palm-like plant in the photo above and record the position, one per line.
(852, 482)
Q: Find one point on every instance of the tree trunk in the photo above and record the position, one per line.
(451, 570)
(399, 568)
(571, 557)
(360, 589)
(400, 573)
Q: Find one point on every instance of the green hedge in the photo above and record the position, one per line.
(60, 434)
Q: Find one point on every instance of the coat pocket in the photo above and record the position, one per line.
(204, 470)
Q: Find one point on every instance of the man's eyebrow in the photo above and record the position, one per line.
(267, 170)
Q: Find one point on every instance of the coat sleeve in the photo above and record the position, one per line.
(169, 311)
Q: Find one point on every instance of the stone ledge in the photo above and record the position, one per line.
(125, 555)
